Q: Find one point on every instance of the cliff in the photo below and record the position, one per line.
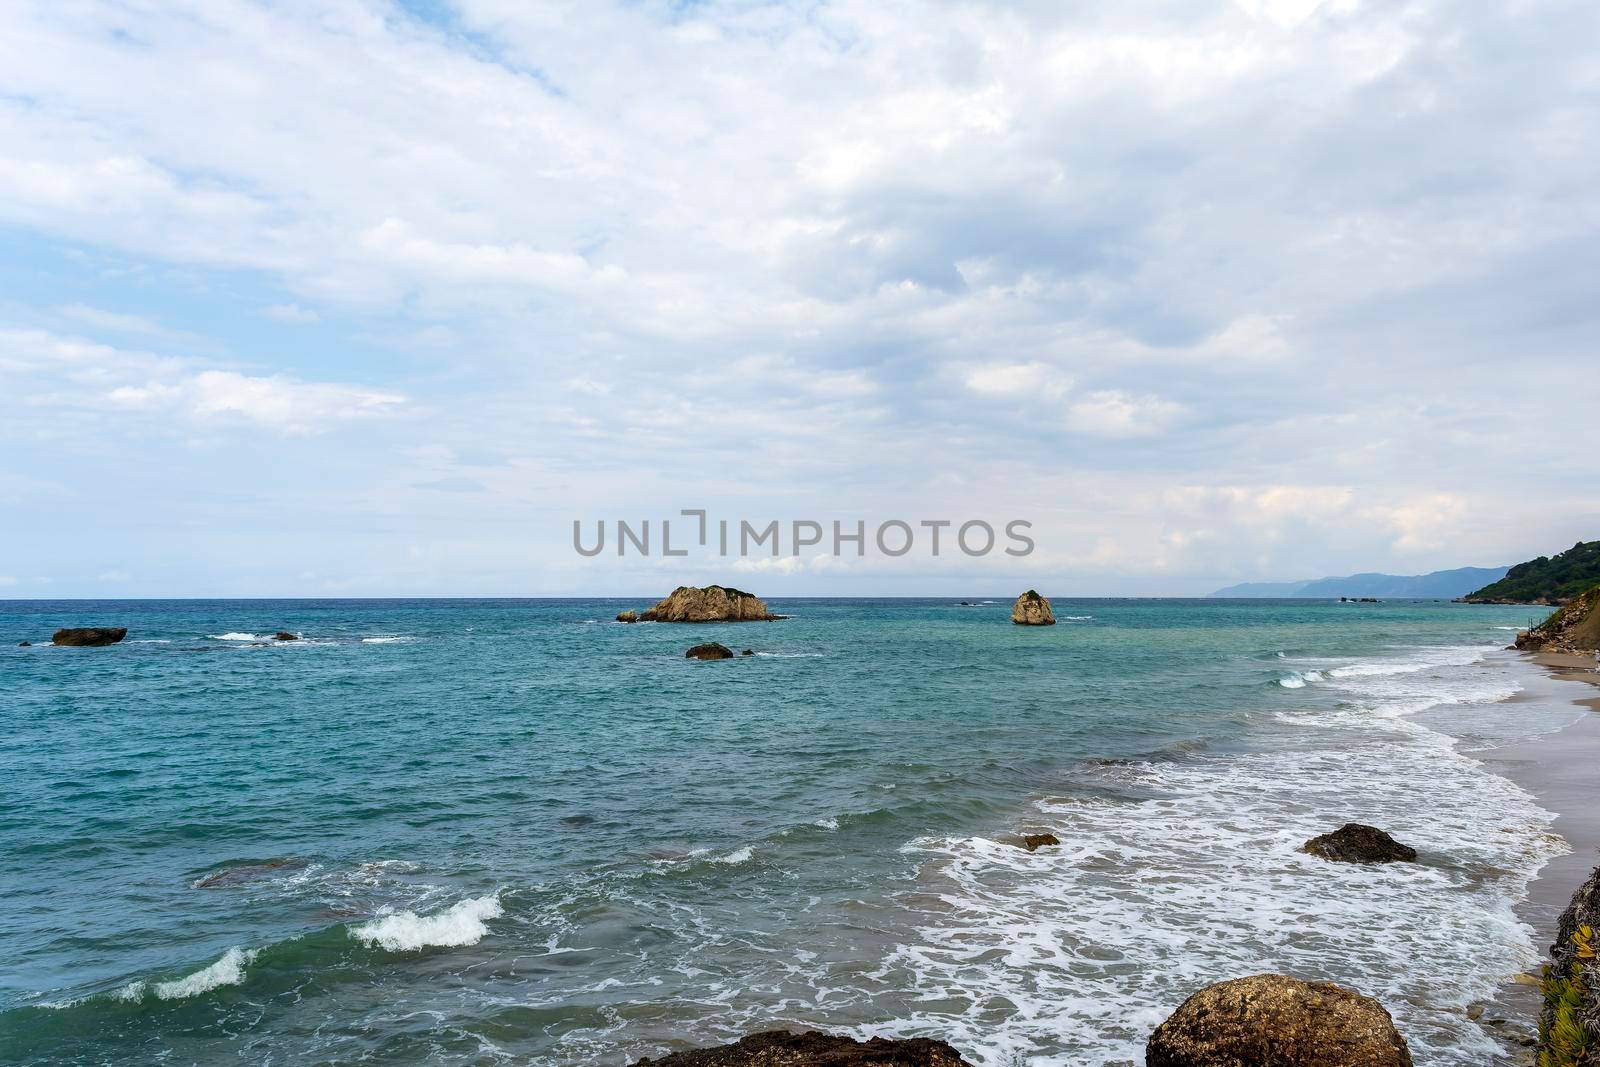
(1573, 628)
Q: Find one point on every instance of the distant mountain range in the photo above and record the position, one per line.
(1444, 585)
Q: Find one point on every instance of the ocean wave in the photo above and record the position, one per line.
(1076, 618)
(234, 635)
(227, 970)
(1298, 679)
(737, 856)
(386, 639)
(1204, 878)
(464, 923)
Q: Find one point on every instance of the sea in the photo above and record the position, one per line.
(519, 832)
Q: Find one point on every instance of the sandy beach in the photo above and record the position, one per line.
(1559, 768)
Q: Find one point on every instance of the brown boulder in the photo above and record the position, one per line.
(285, 635)
(627, 616)
(780, 1048)
(714, 603)
(1031, 609)
(89, 636)
(710, 650)
(1355, 843)
(1037, 841)
(1270, 1020)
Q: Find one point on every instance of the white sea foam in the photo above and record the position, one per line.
(738, 855)
(386, 639)
(233, 635)
(227, 970)
(827, 824)
(1076, 618)
(1091, 944)
(461, 924)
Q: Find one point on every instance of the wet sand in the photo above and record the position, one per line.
(1560, 769)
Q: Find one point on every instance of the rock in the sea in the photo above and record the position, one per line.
(1270, 1020)
(1355, 843)
(748, 652)
(248, 872)
(709, 650)
(24, 644)
(714, 603)
(89, 636)
(1031, 609)
(1569, 1022)
(1038, 841)
(780, 1048)
(628, 616)
(285, 635)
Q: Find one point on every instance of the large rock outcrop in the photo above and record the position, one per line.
(1271, 1020)
(1574, 628)
(1031, 609)
(780, 1048)
(1357, 843)
(89, 636)
(714, 603)
(1569, 1023)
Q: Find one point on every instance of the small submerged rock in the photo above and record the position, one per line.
(1271, 1020)
(89, 636)
(748, 652)
(628, 616)
(1356, 843)
(1034, 842)
(709, 650)
(285, 635)
(1031, 609)
(24, 644)
(781, 1048)
(247, 872)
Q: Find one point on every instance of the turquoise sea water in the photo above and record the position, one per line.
(473, 832)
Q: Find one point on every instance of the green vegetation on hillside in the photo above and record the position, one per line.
(1548, 578)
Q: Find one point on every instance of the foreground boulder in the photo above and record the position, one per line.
(1031, 609)
(1569, 1022)
(714, 603)
(709, 650)
(1033, 842)
(1270, 1020)
(780, 1048)
(89, 636)
(285, 635)
(1356, 843)
(627, 616)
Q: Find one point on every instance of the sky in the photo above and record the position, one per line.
(369, 298)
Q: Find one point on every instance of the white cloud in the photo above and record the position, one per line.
(275, 402)
(1283, 248)
(1038, 380)
(1111, 413)
(51, 372)
(293, 313)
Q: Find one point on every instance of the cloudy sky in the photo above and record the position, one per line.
(359, 297)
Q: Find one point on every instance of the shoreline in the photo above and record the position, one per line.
(1558, 768)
